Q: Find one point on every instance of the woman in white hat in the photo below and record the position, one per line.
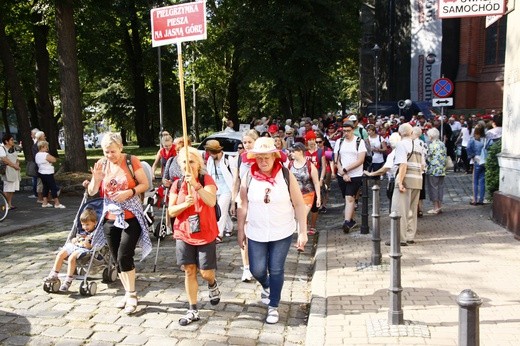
(270, 199)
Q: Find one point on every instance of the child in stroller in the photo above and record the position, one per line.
(74, 249)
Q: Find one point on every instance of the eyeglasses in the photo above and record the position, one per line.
(347, 130)
(266, 197)
(319, 142)
(240, 147)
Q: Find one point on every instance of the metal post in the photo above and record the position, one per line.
(395, 314)
(376, 236)
(376, 51)
(364, 207)
(469, 332)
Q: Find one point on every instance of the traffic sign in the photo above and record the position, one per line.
(465, 8)
(442, 87)
(442, 102)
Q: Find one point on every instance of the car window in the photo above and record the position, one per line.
(229, 144)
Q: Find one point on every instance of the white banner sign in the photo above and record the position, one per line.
(471, 8)
(426, 52)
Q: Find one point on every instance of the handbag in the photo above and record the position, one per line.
(31, 170)
(449, 163)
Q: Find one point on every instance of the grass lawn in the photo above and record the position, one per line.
(145, 154)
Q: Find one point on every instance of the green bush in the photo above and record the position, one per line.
(493, 169)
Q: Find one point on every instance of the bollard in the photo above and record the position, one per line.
(364, 207)
(395, 313)
(376, 233)
(469, 331)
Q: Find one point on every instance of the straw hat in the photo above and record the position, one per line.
(263, 145)
(213, 145)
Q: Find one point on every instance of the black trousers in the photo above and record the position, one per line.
(122, 242)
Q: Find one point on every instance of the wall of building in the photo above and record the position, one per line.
(506, 202)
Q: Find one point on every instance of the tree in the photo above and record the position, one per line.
(22, 114)
(75, 154)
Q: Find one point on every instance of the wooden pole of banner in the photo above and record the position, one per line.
(183, 107)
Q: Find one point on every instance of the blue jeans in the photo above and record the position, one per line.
(267, 264)
(479, 183)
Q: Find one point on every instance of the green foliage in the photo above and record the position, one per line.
(493, 169)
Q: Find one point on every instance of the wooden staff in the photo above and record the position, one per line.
(183, 108)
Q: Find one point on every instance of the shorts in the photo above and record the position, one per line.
(70, 248)
(204, 256)
(11, 186)
(350, 188)
(308, 198)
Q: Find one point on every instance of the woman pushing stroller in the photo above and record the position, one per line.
(124, 225)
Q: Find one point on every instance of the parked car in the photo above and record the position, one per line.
(228, 140)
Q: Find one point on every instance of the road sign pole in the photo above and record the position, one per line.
(442, 124)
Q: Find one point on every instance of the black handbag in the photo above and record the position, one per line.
(31, 170)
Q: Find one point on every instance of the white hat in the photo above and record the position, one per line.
(352, 118)
(263, 145)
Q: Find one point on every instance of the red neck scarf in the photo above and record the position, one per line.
(259, 175)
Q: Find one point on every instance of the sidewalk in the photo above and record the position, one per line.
(458, 249)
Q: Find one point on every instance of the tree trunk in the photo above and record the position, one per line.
(20, 107)
(44, 106)
(5, 120)
(145, 137)
(75, 154)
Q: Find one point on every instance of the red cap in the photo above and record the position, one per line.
(273, 129)
(310, 135)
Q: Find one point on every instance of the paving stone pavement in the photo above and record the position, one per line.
(458, 249)
(332, 295)
(28, 315)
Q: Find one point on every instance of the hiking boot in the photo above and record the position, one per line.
(214, 294)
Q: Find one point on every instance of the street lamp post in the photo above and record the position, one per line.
(376, 51)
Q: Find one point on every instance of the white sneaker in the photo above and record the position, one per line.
(59, 206)
(48, 205)
(32, 196)
(272, 315)
(247, 276)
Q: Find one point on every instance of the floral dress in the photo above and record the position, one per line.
(436, 159)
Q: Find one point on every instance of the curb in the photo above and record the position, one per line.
(318, 306)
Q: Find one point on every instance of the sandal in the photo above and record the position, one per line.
(218, 240)
(228, 233)
(131, 303)
(122, 303)
(191, 316)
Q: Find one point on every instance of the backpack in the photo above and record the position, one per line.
(218, 212)
(307, 163)
(368, 158)
(146, 167)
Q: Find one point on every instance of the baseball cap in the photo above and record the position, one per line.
(352, 118)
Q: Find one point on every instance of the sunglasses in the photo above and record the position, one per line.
(319, 142)
(267, 199)
(240, 147)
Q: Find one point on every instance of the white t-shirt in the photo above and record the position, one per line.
(44, 166)
(269, 221)
(348, 153)
(376, 142)
(465, 136)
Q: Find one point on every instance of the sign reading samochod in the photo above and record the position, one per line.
(178, 23)
(470, 8)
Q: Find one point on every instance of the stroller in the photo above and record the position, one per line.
(92, 261)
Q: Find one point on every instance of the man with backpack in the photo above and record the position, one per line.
(219, 166)
(349, 154)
